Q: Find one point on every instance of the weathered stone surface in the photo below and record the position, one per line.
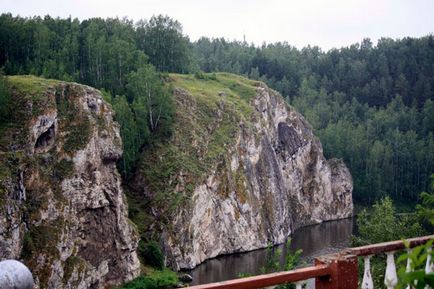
(64, 212)
(276, 180)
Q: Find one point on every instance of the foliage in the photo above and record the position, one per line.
(151, 254)
(131, 139)
(416, 274)
(272, 262)
(153, 280)
(151, 100)
(383, 224)
(202, 75)
(426, 208)
(145, 115)
(146, 112)
(162, 40)
(292, 259)
(98, 52)
(388, 149)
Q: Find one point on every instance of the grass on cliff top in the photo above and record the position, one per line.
(207, 121)
(24, 89)
(31, 85)
(212, 88)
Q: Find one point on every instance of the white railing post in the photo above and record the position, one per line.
(409, 266)
(390, 278)
(367, 282)
(429, 264)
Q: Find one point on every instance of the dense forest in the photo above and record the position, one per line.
(372, 105)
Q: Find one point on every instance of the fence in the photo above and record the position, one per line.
(334, 271)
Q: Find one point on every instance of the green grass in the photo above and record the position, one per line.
(233, 90)
(31, 85)
(28, 100)
(154, 279)
(33, 88)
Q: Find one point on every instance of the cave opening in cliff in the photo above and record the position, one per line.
(46, 139)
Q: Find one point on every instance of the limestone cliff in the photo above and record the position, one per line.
(62, 207)
(242, 169)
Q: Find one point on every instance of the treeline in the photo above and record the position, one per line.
(371, 74)
(98, 52)
(370, 105)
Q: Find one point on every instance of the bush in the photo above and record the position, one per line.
(382, 225)
(417, 276)
(155, 280)
(151, 254)
(272, 263)
(199, 75)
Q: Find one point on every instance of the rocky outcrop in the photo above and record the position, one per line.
(270, 179)
(63, 211)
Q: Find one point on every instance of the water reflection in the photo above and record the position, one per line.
(314, 240)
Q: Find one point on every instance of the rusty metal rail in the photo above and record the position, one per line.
(334, 271)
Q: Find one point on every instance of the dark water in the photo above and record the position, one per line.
(314, 240)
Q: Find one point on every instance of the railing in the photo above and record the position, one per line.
(334, 271)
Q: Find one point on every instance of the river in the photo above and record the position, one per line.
(314, 240)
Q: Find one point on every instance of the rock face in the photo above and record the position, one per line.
(270, 179)
(63, 211)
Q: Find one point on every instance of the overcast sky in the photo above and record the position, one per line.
(326, 23)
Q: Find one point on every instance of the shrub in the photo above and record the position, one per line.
(381, 225)
(151, 254)
(154, 280)
(199, 75)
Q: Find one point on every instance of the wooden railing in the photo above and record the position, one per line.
(334, 271)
